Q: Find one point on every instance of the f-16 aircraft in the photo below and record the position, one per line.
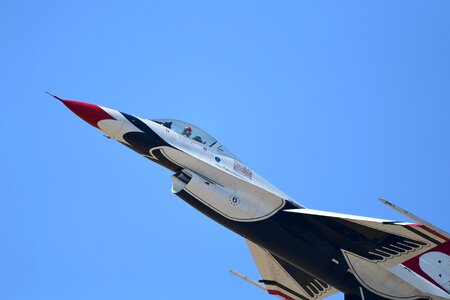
(301, 253)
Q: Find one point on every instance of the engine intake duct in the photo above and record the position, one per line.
(231, 203)
(180, 180)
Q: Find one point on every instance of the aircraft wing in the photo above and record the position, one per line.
(381, 240)
(286, 281)
(388, 257)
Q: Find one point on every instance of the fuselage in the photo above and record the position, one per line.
(227, 191)
(214, 181)
(223, 188)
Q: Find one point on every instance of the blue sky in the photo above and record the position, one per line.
(336, 103)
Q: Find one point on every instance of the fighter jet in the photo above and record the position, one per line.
(301, 253)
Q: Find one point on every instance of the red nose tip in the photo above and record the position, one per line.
(89, 112)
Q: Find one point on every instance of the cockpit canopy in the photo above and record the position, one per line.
(196, 134)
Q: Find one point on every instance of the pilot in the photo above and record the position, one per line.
(187, 131)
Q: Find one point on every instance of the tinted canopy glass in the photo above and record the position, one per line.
(194, 133)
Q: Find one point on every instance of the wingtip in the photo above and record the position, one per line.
(384, 201)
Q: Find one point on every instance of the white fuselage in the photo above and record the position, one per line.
(318, 252)
(233, 190)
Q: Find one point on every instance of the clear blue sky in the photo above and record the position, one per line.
(337, 103)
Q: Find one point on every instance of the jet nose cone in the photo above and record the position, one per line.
(91, 113)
